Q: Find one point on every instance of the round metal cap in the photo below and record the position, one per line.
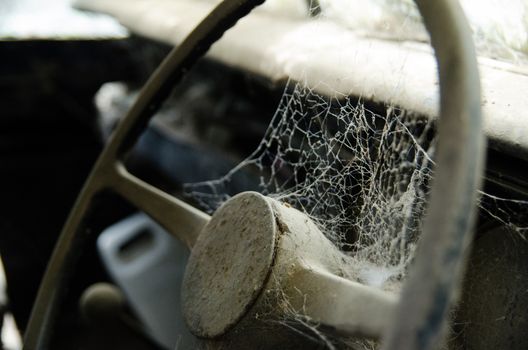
(229, 265)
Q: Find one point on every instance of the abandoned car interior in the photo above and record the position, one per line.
(250, 174)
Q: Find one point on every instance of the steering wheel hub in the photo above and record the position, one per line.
(229, 265)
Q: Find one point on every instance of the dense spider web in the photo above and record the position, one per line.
(362, 175)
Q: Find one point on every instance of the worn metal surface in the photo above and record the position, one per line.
(310, 271)
(229, 265)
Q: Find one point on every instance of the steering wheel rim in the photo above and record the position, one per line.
(440, 259)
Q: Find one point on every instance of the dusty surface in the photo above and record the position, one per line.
(229, 265)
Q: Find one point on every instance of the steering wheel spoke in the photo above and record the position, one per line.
(180, 219)
(345, 307)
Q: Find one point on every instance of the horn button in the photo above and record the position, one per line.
(229, 265)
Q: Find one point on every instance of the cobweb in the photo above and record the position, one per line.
(361, 172)
(361, 176)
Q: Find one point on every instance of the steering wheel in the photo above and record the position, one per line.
(254, 246)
